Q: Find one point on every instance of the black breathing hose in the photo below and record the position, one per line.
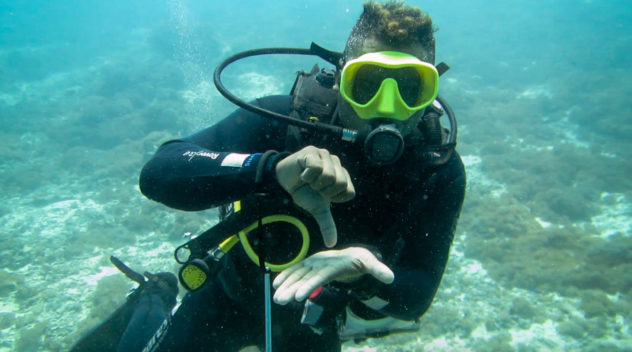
(317, 126)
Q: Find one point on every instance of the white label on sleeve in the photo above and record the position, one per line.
(234, 160)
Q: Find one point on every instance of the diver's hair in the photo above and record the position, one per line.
(395, 24)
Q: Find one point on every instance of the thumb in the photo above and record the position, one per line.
(380, 271)
(327, 226)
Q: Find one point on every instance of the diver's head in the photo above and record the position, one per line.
(388, 78)
(389, 27)
(392, 26)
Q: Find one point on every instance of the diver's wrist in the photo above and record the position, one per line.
(269, 180)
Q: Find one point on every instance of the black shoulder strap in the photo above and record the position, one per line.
(313, 98)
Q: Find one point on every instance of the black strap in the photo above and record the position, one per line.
(261, 235)
(200, 245)
(442, 67)
(261, 167)
(258, 196)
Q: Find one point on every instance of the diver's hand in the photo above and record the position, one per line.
(314, 178)
(299, 280)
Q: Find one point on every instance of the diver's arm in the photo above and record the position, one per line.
(218, 164)
(427, 242)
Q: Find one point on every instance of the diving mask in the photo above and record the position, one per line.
(388, 84)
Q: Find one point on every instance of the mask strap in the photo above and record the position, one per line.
(442, 67)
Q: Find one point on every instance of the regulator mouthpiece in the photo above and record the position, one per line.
(384, 145)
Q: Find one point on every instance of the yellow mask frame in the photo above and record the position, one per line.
(387, 102)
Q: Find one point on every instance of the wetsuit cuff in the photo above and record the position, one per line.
(266, 172)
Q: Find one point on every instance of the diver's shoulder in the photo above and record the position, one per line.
(277, 103)
(454, 168)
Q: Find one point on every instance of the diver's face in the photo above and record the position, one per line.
(348, 116)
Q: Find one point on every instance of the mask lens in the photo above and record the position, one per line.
(367, 82)
(369, 78)
(410, 84)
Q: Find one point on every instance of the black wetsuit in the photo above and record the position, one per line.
(406, 212)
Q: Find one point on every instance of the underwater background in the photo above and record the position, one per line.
(542, 259)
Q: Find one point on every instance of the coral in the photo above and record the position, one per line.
(109, 294)
(563, 202)
(523, 308)
(575, 328)
(600, 346)
(596, 303)
(500, 342)
(9, 282)
(597, 328)
(7, 319)
(31, 338)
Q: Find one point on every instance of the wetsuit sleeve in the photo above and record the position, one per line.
(427, 230)
(219, 164)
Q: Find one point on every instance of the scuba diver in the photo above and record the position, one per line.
(344, 196)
